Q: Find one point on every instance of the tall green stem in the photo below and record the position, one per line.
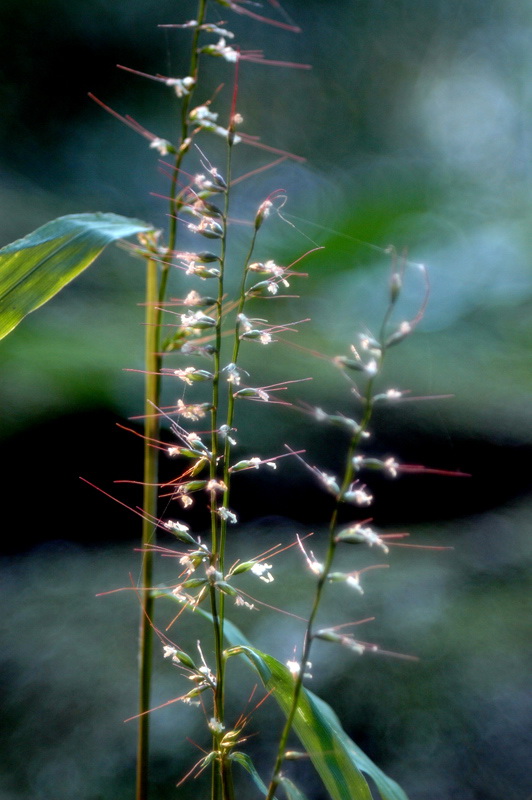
(155, 297)
(152, 361)
(218, 525)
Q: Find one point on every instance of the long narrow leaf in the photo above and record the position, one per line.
(35, 268)
(335, 756)
(292, 791)
(337, 769)
(245, 761)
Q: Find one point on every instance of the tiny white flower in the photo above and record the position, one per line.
(371, 367)
(230, 516)
(192, 298)
(205, 225)
(224, 430)
(172, 525)
(352, 644)
(391, 467)
(180, 595)
(234, 374)
(393, 394)
(192, 412)
(354, 582)
(189, 319)
(225, 51)
(239, 601)
(215, 486)
(262, 572)
(161, 145)
(203, 113)
(188, 564)
(184, 374)
(265, 209)
(209, 27)
(168, 651)
(359, 497)
(244, 322)
(190, 701)
(295, 668)
(372, 538)
(329, 481)
(181, 86)
(273, 268)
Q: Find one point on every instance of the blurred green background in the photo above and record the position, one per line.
(416, 123)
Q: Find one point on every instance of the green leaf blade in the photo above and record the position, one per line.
(337, 759)
(37, 267)
(291, 790)
(245, 761)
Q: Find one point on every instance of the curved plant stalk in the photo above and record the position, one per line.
(324, 570)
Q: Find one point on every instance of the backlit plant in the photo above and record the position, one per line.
(210, 329)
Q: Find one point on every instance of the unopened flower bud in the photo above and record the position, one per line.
(348, 363)
(262, 213)
(405, 328)
(396, 284)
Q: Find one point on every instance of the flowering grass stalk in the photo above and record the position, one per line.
(210, 222)
(349, 490)
(216, 328)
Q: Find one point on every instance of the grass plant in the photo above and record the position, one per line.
(210, 330)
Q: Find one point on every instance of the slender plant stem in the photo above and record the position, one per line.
(230, 392)
(218, 524)
(155, 297)
(349, 471)
(152, 361)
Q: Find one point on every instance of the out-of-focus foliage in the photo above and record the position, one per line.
(454, 725)
(416, 122)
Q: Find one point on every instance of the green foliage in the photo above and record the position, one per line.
(335, 756)
(337, 759)
(245, 761)
(35, 268)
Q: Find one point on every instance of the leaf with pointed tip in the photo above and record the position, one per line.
(291, 790)
(35, 268)
(245, 761)
(342, 778)
(337, 759)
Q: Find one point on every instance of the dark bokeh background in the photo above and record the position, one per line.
(415, 122)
